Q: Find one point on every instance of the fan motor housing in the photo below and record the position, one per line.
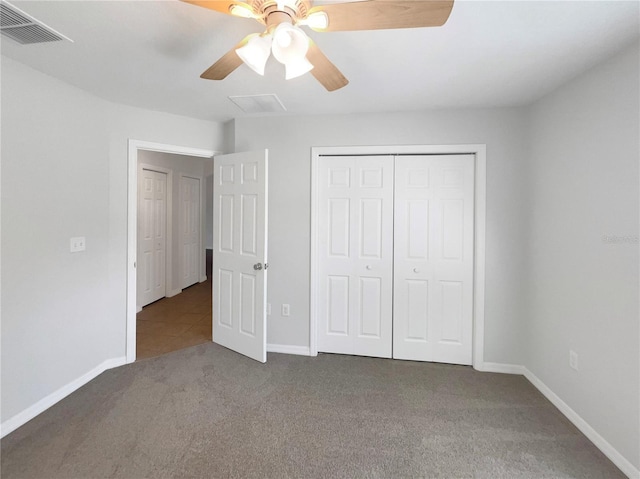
(295, 9)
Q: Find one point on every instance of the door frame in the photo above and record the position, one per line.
(132, 225)
(202, 276)
(168, 254)
(480, 203)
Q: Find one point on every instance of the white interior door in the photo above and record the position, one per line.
(191, 230)
(433, 258)
(355, 254)
(152, 236)
(240, 253)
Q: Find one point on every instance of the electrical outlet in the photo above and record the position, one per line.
(573, 359)
(286, 310)
(77, 244)
(268, 309)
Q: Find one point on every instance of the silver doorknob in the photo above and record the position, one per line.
(257, 266)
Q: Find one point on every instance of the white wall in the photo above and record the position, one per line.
(289, 140)
(583, 291)
(64, 161)
(55, 185)
(189, 166)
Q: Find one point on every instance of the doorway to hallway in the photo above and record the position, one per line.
(175, 323)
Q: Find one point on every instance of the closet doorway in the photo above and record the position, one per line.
(397, 252)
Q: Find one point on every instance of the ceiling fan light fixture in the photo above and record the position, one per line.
(242, 10)
(297, 68)
(316, 21)
(290, 43)
(256, 53)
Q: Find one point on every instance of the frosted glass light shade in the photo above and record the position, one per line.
(256, 53)
(290, 44)
(242, 10)
(297, 68)
(317, 21)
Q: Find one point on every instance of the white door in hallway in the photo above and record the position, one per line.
(433, 258)
(152, 236)
(240, 253)
(355, 260)
(191, 228)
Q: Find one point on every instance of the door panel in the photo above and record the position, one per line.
(417, 307)
(338, 305)
(451, 308)
(240, 242)
(191, 230)
(433, 258)
(355, 255)
(152, 232)
(371, 314)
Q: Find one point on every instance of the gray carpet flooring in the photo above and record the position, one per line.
(208, 412)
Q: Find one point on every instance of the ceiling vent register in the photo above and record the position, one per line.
(268, 103)
(23, 28)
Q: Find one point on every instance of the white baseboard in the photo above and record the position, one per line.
(601, 443)
(501, 368)
(288, 349)
(174, 292)
(203, 279)
(28, 414)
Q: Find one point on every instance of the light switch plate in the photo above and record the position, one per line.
(77, 244)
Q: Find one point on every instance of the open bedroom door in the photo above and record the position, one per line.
(240, 253)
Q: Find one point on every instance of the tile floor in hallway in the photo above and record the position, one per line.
(175, 323)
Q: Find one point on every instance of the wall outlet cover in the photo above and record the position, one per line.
(573, 359)
(77, 244)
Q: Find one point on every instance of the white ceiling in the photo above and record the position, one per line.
(151, 53)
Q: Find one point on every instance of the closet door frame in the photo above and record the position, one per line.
(480, 193)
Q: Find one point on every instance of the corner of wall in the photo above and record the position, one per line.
(45, 403)
(229, 136)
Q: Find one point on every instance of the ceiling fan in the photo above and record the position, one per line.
(289, 44)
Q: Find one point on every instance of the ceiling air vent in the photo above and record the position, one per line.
(258, 103)
(23, 28)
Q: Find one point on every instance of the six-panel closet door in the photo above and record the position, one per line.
(355, 262)
(395, 256)
(433, 258)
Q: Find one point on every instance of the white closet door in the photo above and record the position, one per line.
(433, 258)
(355, 247)
(152, 236)
(191, 230)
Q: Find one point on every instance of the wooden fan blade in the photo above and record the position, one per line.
(223, 6)
(227, 63)
(383, 14)
(323, 70)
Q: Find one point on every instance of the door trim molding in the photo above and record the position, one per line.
(168, 253)
(132, 222)
(480, 202)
